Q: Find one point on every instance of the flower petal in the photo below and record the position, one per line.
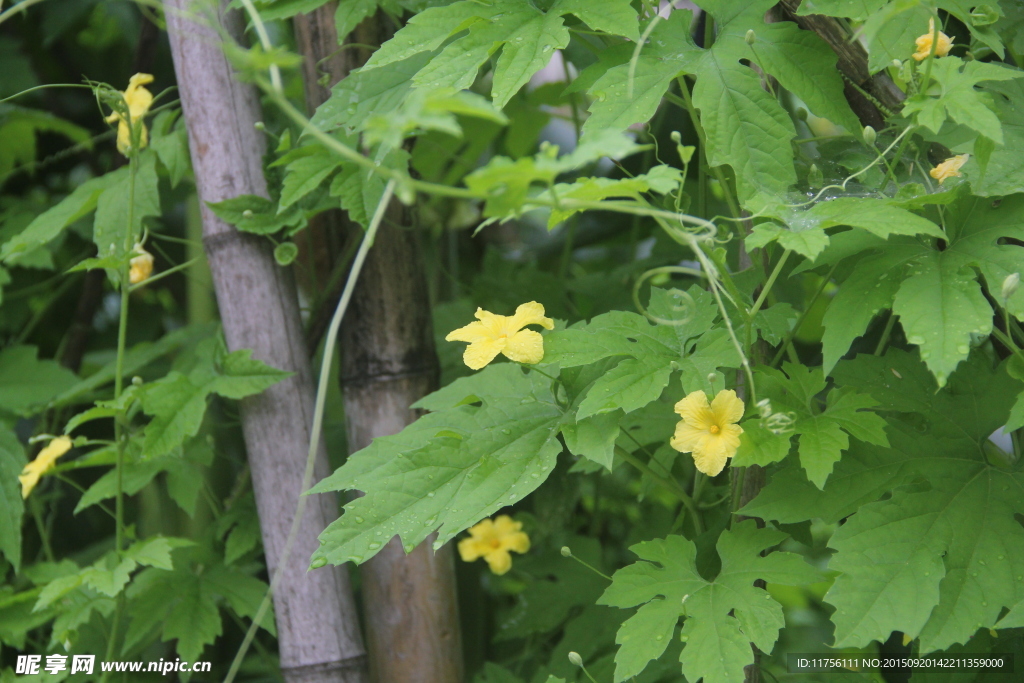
(525, 346)
(478, 354)
(517, 541)
(695, 411)
(687, 437)
(475, 331)
(499, 561)
(727, 408)
(470, 549)
(531, 313)
(710, 462)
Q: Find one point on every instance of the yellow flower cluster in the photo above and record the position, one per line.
(43, 463)
(139, 101)
(709, 431)
(924, 43)
(492, 540)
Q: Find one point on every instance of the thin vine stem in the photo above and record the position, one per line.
(670, 485)
(318, 417)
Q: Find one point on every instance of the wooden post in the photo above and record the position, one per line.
(316, 620)
(388, 363)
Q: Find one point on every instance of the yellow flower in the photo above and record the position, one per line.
(43, 463)
(493, 334)
(491, 540)
(139, 100)
(141, 265)
(709, 431)
(924, 43)
(949, 168)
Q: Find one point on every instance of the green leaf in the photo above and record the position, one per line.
(807, 243)
(746, 128)
(19, 127)
(359, 192)
(822, 443)
(661, 179)
(526, 37)
(630, 385)
(47, 225)
(178, 402)
(870, 288)
(193, 619)
(1004, 170)
(594, 437)
(722, 615)
(28, 384)
(940, 305)
(759, 446)
(305, 174)
(258, 215)
(671, 52)
(959, 100)
(12, 508)
(169, 140)
(852, 9)
(352, 13)
(449, 469)
(112, 212)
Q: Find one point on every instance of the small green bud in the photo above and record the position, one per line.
(676, 137)
(259, 126)
(247, 213)
(575, 659)
(751, 37)
(566, 552)
(712, 377)
(801, 114)
(137, 381)
(897, 64)
(815, 178)
(870, 135)
(1010, 285)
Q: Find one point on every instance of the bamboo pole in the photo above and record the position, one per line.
(388, 363)
(317, 628)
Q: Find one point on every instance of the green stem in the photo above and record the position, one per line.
(885, 334)
(587, 565)
(768, 285)
(120, 427)
(891, 174)
(318, 417)
(670, 485)
(803, 316)
(1007, 342)
(20, 7)
(169, 271)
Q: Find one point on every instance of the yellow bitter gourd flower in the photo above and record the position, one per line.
(949, 168)
(139, 100)
(709, 432)
(492, 540)
(43, 463)
(141, 265)
(924, 43)
(493, 334)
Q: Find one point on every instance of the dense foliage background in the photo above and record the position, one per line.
(816, 205)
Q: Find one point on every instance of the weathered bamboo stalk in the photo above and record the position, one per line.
(317, 628)
(388, 362)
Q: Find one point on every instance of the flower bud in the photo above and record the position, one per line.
(137, 381)
(712, 377)
(259, 126)
(870, 135)
(801, 114)
(815, 178)
(575, 659)
(897, 64)
(676, 137)
(1010, 285)
(247, 213)
(751, 37)
(566, 552)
